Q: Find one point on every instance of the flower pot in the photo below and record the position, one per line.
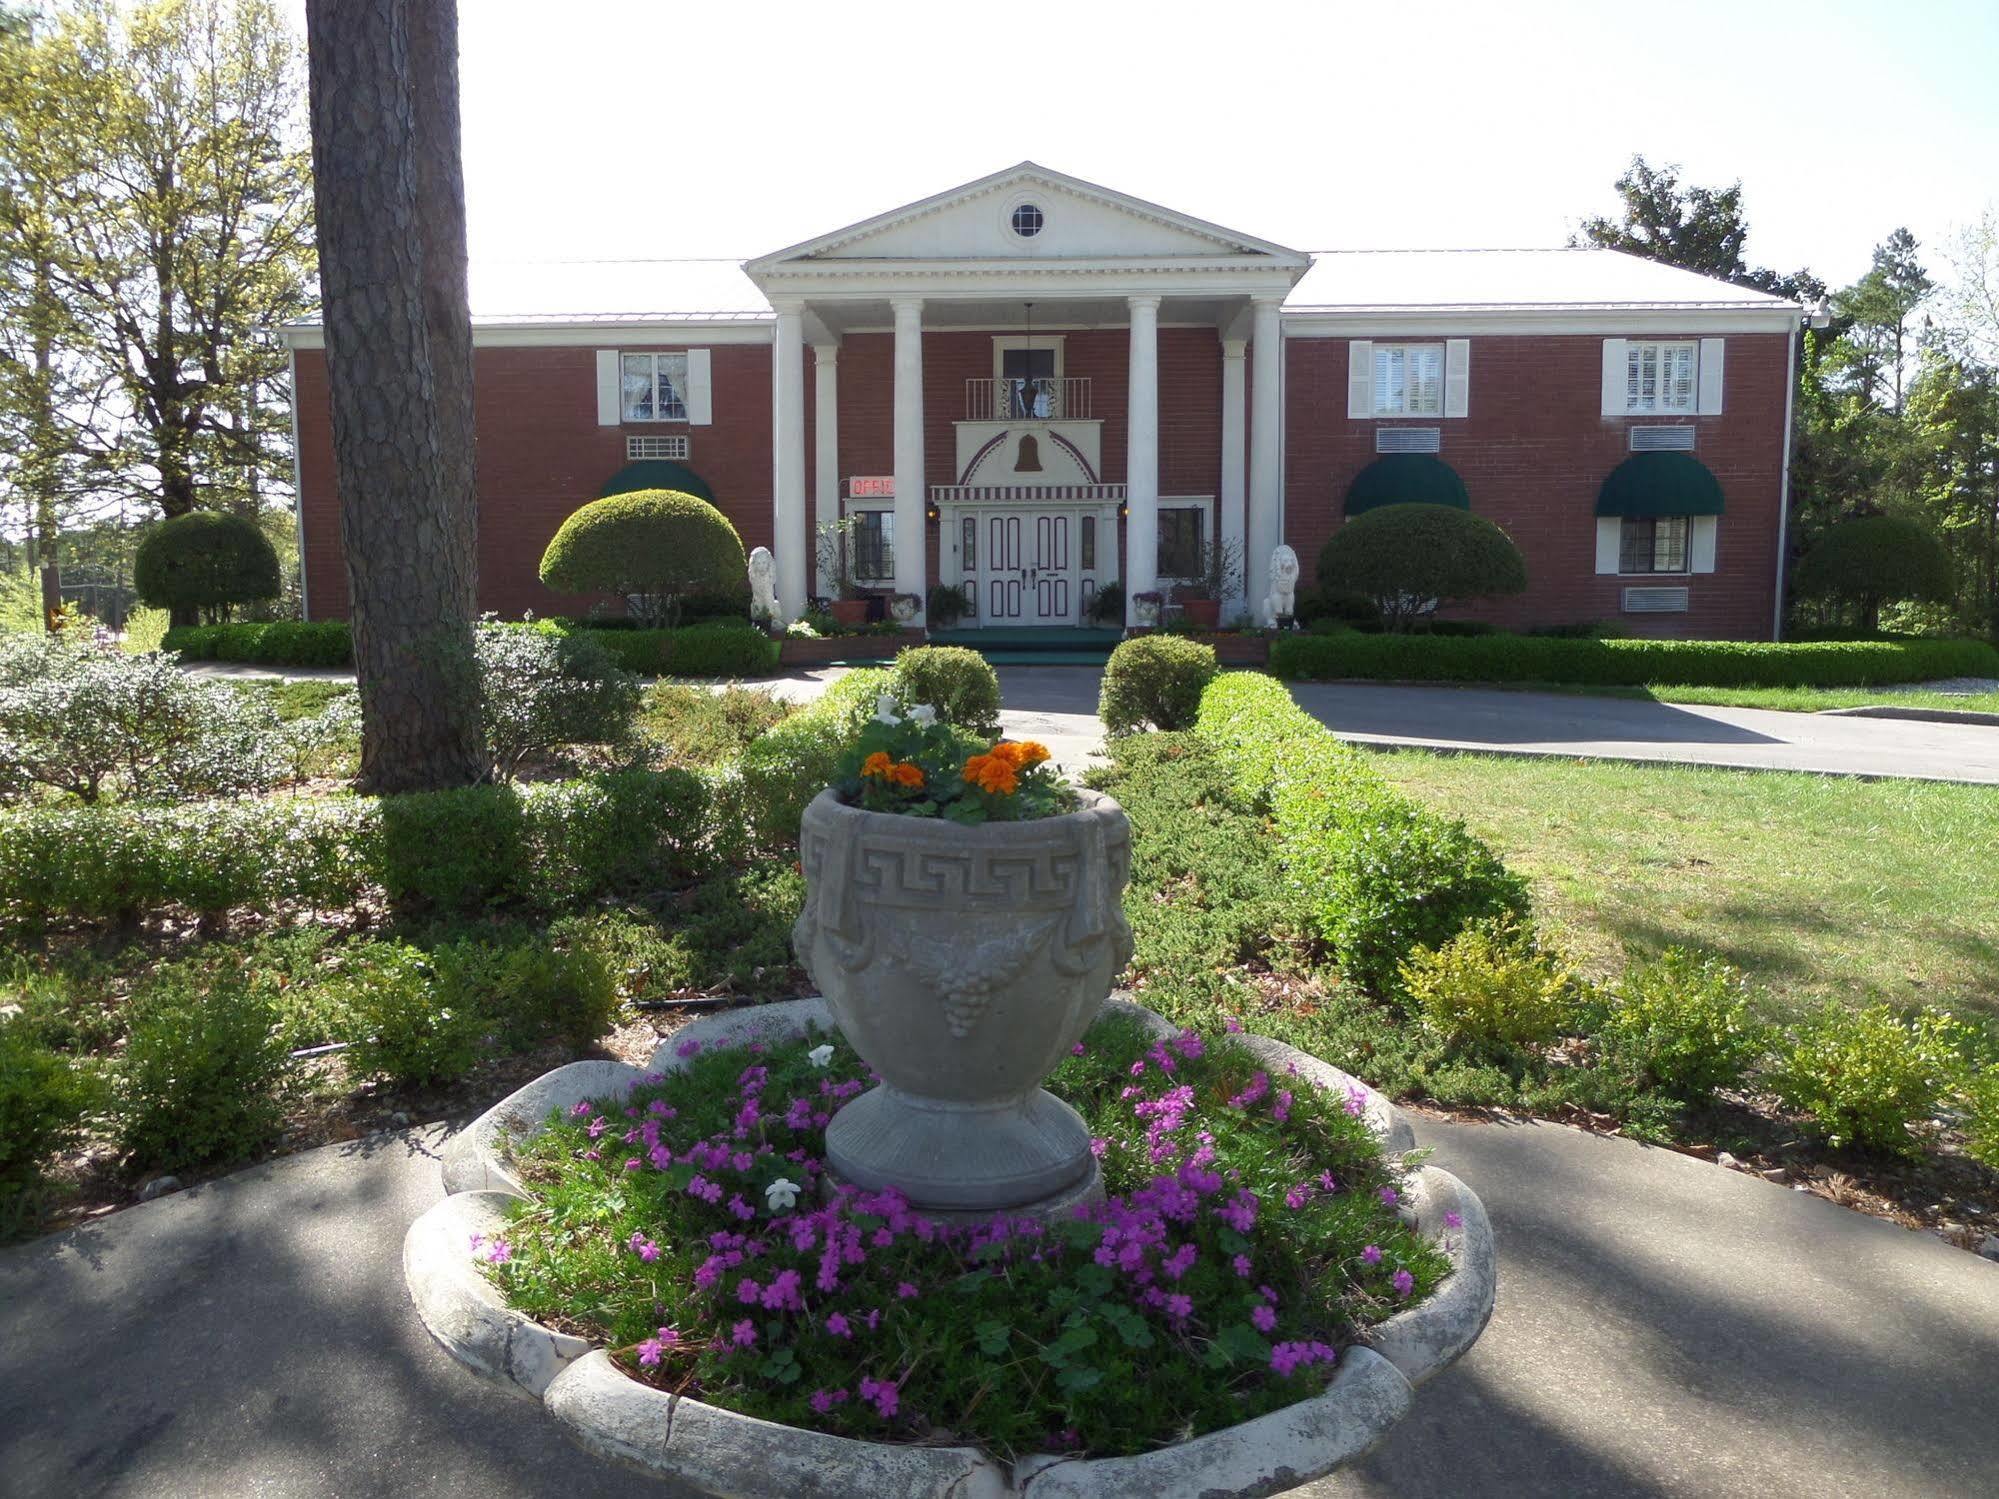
(849, 611)
(1145, 612)
(904, 606)
(962, 963)
(1202, 614)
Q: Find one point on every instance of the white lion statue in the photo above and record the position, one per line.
(1282, 600)
(763, 584)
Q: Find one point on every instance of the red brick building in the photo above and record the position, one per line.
(1029, 387)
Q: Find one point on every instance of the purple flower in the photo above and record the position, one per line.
(1281, 1111)
(643, 1247)
(687, 1048)
(748, 1292)
(499, 1252)
(1356, 1101)
(1258, 1086)
(598, 1126)
(579, 1108)
(1179, 1307)
(1454, 1220)
(1232, 1025)
(1371, 1255)
(885, 1394)
(1389, 1197)
(1190, 1046)
(1242, 1266)
(649, 1352)
(1297, 1197)
(823, 1401)
(1180, 1261)
(1404, 1283)
(743, 1334)
(905, 1291)
(1076, 1050)
(1264, 1318)
(1098, 1145)
(838, 1325)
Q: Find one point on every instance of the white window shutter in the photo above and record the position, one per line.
(700, 398)
(1700, 544)
(1616, 380)
(1360, 378)
(1457, 376)
(1609, 542)
(610, 404)
(1710, 376)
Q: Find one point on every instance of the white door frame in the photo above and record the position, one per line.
(1082, 581)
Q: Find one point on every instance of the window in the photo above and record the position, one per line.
(1180, 541)
(1027, 220)
(655, 387)
(1408, 379)
(655, 447)
(1087, 542)
(1661, 377)
(1653, 544)
(874, 546)
(969, 529)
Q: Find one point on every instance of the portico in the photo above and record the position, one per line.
(1055, 488)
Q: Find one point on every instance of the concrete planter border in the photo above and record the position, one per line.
(723, 1453)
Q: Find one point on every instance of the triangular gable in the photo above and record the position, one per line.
(1082, 221)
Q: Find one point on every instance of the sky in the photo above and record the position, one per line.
(645, 128)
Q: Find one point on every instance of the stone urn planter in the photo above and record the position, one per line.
(903, 607)
(962, 963)
(1145, 609)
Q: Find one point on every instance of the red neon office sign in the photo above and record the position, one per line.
(871, 487)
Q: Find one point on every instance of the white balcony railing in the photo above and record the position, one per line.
(1043, 400)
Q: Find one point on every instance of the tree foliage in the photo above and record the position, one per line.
(1410, 558)
(1873, 560)
(157, 213)
(654, 546)
(205, 563)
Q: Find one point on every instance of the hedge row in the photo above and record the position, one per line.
(786, 766)
(1629, 663)
(541, 847)
(1375, 874)
(714, 649)
(284, 642)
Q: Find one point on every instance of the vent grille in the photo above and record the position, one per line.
(1655, 601)
(655, 447)
(1662, 439)
(1408, 439)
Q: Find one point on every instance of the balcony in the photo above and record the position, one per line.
(1037, 400)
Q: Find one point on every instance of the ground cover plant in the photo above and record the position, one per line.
(1251, 1232)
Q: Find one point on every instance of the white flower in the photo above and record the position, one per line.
(781, 1194)
(923, 715)
(821, 1055)
(885, 710)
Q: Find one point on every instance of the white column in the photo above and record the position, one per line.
(825, 442)
(1233, 436)
(909, 493)
(1266, 481)
(1141, 464)
(789, 538)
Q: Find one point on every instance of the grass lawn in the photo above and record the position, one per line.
(1817, 887)
(1786, 699)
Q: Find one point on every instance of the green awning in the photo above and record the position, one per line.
(1406, 479)
(657, 473)
(1660, 484)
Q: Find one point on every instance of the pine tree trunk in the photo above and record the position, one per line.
(391, 219)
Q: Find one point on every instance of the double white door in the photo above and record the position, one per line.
(1026, 567)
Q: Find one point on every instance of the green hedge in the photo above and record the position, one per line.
(542, 847)
(284, 642)
(714, 649)
(1629, 663)
(785, 767)
(1375, 874)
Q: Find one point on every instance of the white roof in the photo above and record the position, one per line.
(1506, 280)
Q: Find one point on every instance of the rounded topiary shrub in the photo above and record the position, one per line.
(655, 546)
(959, 683)
(1875, 560)
(201, 565)
(1156, 681)
(1409, 559)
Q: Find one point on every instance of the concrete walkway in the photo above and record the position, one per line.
(1664, 1327)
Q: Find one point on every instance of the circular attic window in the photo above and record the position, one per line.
(1027, 220)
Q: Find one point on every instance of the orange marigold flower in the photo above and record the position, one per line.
(1021, 753)
(876, 764)
(906, 774)
(991, 773)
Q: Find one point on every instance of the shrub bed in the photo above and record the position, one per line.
(1251, 1230)
(714, 648)
(1154, 681)
(537, 846)
(1376, 875)
(784, 769)
(284, 642)
(1628, 663)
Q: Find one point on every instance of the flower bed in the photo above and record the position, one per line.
(1255, 1232)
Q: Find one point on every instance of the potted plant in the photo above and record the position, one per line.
(1145, 608)
(1107, 605)
(904, 606)
(963, 918)
(948, 605)
(848, 605)
(1221, 566)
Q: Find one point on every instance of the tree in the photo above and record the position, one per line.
(653, 546)
(1410, 558)
(160, 190)
(1876, 312)
(1874, 560)
(391, 204)
(204, 563)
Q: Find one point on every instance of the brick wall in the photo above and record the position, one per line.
(1533, 452)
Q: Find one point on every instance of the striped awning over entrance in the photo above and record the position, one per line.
(1006, 494)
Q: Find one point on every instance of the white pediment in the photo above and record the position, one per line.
(1078, 221)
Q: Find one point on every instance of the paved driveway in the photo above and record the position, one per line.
(1664, 1328)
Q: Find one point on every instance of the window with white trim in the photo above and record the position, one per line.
(1653, 544)
(1408, 379)
(654, 387)
(1662, 376)
(873, 541)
